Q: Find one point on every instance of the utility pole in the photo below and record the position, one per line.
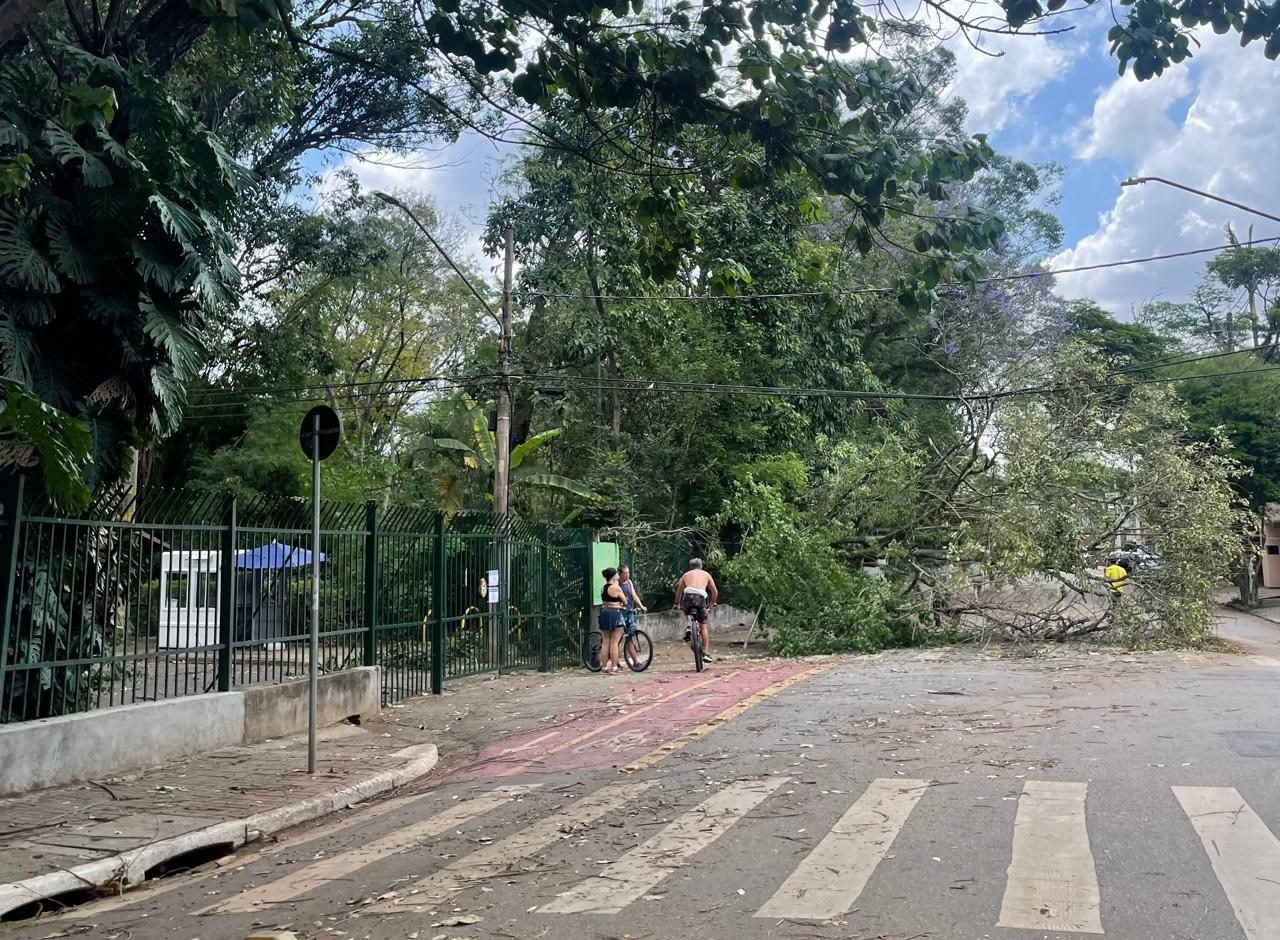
(501, 470)
(502, 448)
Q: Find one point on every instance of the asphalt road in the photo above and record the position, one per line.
(943, 795)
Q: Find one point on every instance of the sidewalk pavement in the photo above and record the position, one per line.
(98, 837)
(1249, 629)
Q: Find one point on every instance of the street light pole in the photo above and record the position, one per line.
(1139, 180)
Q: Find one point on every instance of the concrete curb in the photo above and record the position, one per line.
(130, 868)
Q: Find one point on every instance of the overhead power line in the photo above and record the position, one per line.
(1169, 361)
(640, 387)
(661, 386)
(231, 407)
(322, 387)
(856, 291)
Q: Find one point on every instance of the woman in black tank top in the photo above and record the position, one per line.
(612, 601)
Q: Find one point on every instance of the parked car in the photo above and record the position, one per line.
(1134, 559)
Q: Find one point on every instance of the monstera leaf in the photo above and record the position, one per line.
(33, 434)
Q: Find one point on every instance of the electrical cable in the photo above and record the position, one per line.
(854, 291)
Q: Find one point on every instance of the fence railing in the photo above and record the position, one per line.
(181, 593)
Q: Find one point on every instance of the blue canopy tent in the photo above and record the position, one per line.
(274, 556)
(265, 576)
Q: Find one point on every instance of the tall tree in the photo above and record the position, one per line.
(1208, 320)
(372, 339)
(1256, 271)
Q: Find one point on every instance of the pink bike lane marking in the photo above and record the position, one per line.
(588, 739)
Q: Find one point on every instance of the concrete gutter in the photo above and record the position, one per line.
(128, 869)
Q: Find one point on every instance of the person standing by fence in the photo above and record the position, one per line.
(632, 595)
(633, 604)
(612, 616)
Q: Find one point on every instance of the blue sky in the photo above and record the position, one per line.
(1213, 124)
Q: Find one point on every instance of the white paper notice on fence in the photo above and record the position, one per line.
(493, 581)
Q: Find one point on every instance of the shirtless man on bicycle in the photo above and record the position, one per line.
(695, 592)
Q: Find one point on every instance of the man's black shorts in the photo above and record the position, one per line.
(696, 608)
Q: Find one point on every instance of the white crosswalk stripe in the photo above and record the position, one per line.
(495, 860)
(1052, 883)
(1244, 853)
(310, 877)
(646, 865)
(828, 882)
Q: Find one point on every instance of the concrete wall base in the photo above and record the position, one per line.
(665, 625)
(277, 711)
(126, 738)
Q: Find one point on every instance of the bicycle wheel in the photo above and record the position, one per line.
(591, 646)
(695, 642)
(637, 650)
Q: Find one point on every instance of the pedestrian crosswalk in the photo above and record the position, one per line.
(314, 876)
(647, 865)
(1051, 883)
(494, 860)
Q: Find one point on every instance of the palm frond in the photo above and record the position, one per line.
(482, 436)
(518, 454)
(155, 269)
(107, 308)
(67, 150)
(170, 393)
(451, 494)
(233, 174)
(75, 264)
(184, 227)
(17, 351)
(11, 136)
(117, 152)
(33, 310)
(553, 481)
(449, 443)
(174, 337)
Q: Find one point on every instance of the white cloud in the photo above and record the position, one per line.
(997, 82)
(460, 179)
(1226, 145)
(1131, 117)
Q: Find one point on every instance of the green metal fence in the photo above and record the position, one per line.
(656, 561)
(180, 593)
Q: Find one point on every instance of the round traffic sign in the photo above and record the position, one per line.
(321, 420)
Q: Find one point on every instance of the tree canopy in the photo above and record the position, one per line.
(774, 295)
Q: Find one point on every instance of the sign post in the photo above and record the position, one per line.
(319, 437)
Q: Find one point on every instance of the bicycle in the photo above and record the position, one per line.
(637, 648)
(695, 640)
(592, 643)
